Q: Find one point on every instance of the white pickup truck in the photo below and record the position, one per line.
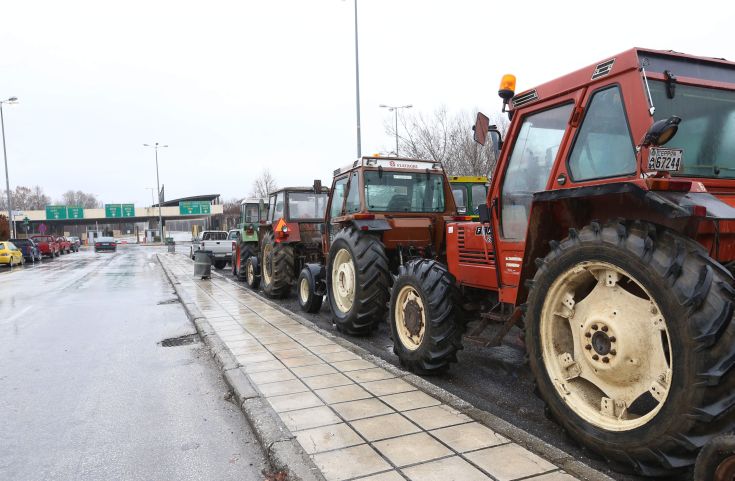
(217, 242)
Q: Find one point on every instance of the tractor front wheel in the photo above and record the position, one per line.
(277, 269)
(358, 281)
(309, 300)
(630, 339)
(425, 320)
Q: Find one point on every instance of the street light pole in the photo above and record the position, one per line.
(395, 108)
(11, 221)
(158, 184)
(357, 88)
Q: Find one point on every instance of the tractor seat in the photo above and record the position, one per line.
(399, 203)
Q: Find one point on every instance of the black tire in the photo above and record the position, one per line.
(246, 250)
(372, 282)
(277, 268)
(219, 265)
(442, 319)
(305, 289)
(252, 277)
(695, 296)
(713, 453)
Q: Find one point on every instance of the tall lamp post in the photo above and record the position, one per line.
(11, 221)
(155, 147)
(357, 88)
(395, 108)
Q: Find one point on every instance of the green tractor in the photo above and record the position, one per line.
(469, 192)
(252, 212)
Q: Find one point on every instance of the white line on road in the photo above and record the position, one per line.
(22, 311)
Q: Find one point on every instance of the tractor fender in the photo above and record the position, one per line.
(377, 225)
(553, 213)
(318, 277)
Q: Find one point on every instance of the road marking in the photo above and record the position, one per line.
(22, 311)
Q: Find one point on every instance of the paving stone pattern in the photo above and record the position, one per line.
(355, 419)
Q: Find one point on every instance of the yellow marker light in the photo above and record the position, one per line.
(507, 87)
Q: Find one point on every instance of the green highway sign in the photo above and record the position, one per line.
(75, 212)
(195, 207)
(55, 212)
(128, 210)
(113, 210)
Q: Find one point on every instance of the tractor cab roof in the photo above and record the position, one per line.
(251, 201)
(324, 190)
(392, 163)
(686, 67)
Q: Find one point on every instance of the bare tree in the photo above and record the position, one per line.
(4, 227)
(231, 212)
(448, 139)
(264, 185)
(25, 198)
(81, 199)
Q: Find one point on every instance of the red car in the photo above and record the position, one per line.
(47, 245)
(64, 244)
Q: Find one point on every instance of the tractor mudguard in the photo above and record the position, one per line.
(319, 274)
(372, 225)
(554, 213)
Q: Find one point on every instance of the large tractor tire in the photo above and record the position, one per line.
(630, 339)
(278, 267)
(358, 281)
(425, 318)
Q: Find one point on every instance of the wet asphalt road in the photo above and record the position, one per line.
(495, 380)
(88, 393)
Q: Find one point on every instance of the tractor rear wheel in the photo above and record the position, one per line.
(277, 268)
(358, 281)
(425, 319)
(630, 339)
(244, 251)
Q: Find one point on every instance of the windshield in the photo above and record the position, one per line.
(706, 129)
(250, 213)
(404, 192)
(460, 192)
(306, 205)
(479, 197)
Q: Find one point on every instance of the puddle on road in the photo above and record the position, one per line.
(167, 301)
(180, 341)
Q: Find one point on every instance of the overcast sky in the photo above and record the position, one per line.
(234, 87)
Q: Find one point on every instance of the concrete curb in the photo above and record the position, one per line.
(282, 450)
(534, 444)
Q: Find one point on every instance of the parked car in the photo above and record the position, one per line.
(31, 252)
(76, 243)
(105, 244)
(64, 244)
(217, 242)
(10, 255)
(47, 245)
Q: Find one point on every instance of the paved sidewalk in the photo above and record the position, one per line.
(353, 418)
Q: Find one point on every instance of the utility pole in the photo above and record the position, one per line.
(11, 221)
(395, 108)
(158, 184)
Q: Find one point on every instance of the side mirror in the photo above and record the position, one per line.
(482, 123)
(497, 139)
(484, 211)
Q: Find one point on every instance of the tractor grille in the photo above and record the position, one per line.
(473, 256)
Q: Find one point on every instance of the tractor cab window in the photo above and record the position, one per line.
(353, 196)
(338, 197)
(530, 164)
(251, 213)
(404, 191)
(705, 132)
(479, 197)
(277, 208)
(306, 205)
(460, 198)
(603, 147)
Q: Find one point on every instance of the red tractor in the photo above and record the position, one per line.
(613, 254)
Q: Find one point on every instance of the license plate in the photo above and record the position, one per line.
(668, 160)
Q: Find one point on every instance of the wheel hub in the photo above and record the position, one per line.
(412, 318)
(600, 344)
(725, 470)
(343, 280)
